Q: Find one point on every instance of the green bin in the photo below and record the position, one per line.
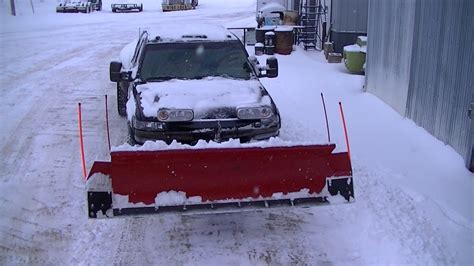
(354, 58)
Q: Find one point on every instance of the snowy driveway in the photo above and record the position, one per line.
(414, 198)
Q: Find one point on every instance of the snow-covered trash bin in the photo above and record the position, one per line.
(270, 43)
(259, 48)
(354, 58)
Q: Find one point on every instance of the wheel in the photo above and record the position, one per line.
(141, 8)
(121, 101)
(114, 10)
(131, 136)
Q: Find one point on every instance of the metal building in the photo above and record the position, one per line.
(348, 20)
(420, 60)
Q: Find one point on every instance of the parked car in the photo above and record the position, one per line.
(76, 6)
(96, 4)
(126, 5)
(178, 5)
(192, 83)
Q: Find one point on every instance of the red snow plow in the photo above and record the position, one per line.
(217, 177)
(141, 182)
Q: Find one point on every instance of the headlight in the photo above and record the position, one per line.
(175, 115)
(146, 125)
(254, 112)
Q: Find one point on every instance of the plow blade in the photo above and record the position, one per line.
(139, 182)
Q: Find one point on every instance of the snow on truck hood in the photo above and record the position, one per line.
(200, 95)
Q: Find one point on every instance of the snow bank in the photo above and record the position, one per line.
(172, 198)
(202, 144)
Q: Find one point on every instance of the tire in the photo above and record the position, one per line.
(140, 9)
(114, 10)
(131, 136)
(121, 101)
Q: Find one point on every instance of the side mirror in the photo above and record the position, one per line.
(115, 71)
(253, 60)
(272, 67)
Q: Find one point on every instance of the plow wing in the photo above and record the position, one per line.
(139, 182)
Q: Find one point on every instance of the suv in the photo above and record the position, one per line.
(187, 84)
(76, 6)
(126, 5)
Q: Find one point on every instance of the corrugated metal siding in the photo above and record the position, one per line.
(349, 15)
(389, 47)
(442, 85)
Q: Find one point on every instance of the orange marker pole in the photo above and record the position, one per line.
(345, 130)
(81, 141)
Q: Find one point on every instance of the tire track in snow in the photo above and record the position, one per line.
(131, 249)
(32, 145)
(404, 221)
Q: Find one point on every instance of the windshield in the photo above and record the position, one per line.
(194, 60)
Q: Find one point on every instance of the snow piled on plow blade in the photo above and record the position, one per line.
(221, 178)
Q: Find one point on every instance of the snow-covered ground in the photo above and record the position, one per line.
(414, 197)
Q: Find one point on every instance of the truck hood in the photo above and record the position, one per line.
(202, 96)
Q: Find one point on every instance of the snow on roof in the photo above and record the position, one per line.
(191, 32)
(272, 7)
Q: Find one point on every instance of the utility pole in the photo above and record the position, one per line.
(12, 5)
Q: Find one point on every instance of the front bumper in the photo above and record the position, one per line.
(208, 130)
